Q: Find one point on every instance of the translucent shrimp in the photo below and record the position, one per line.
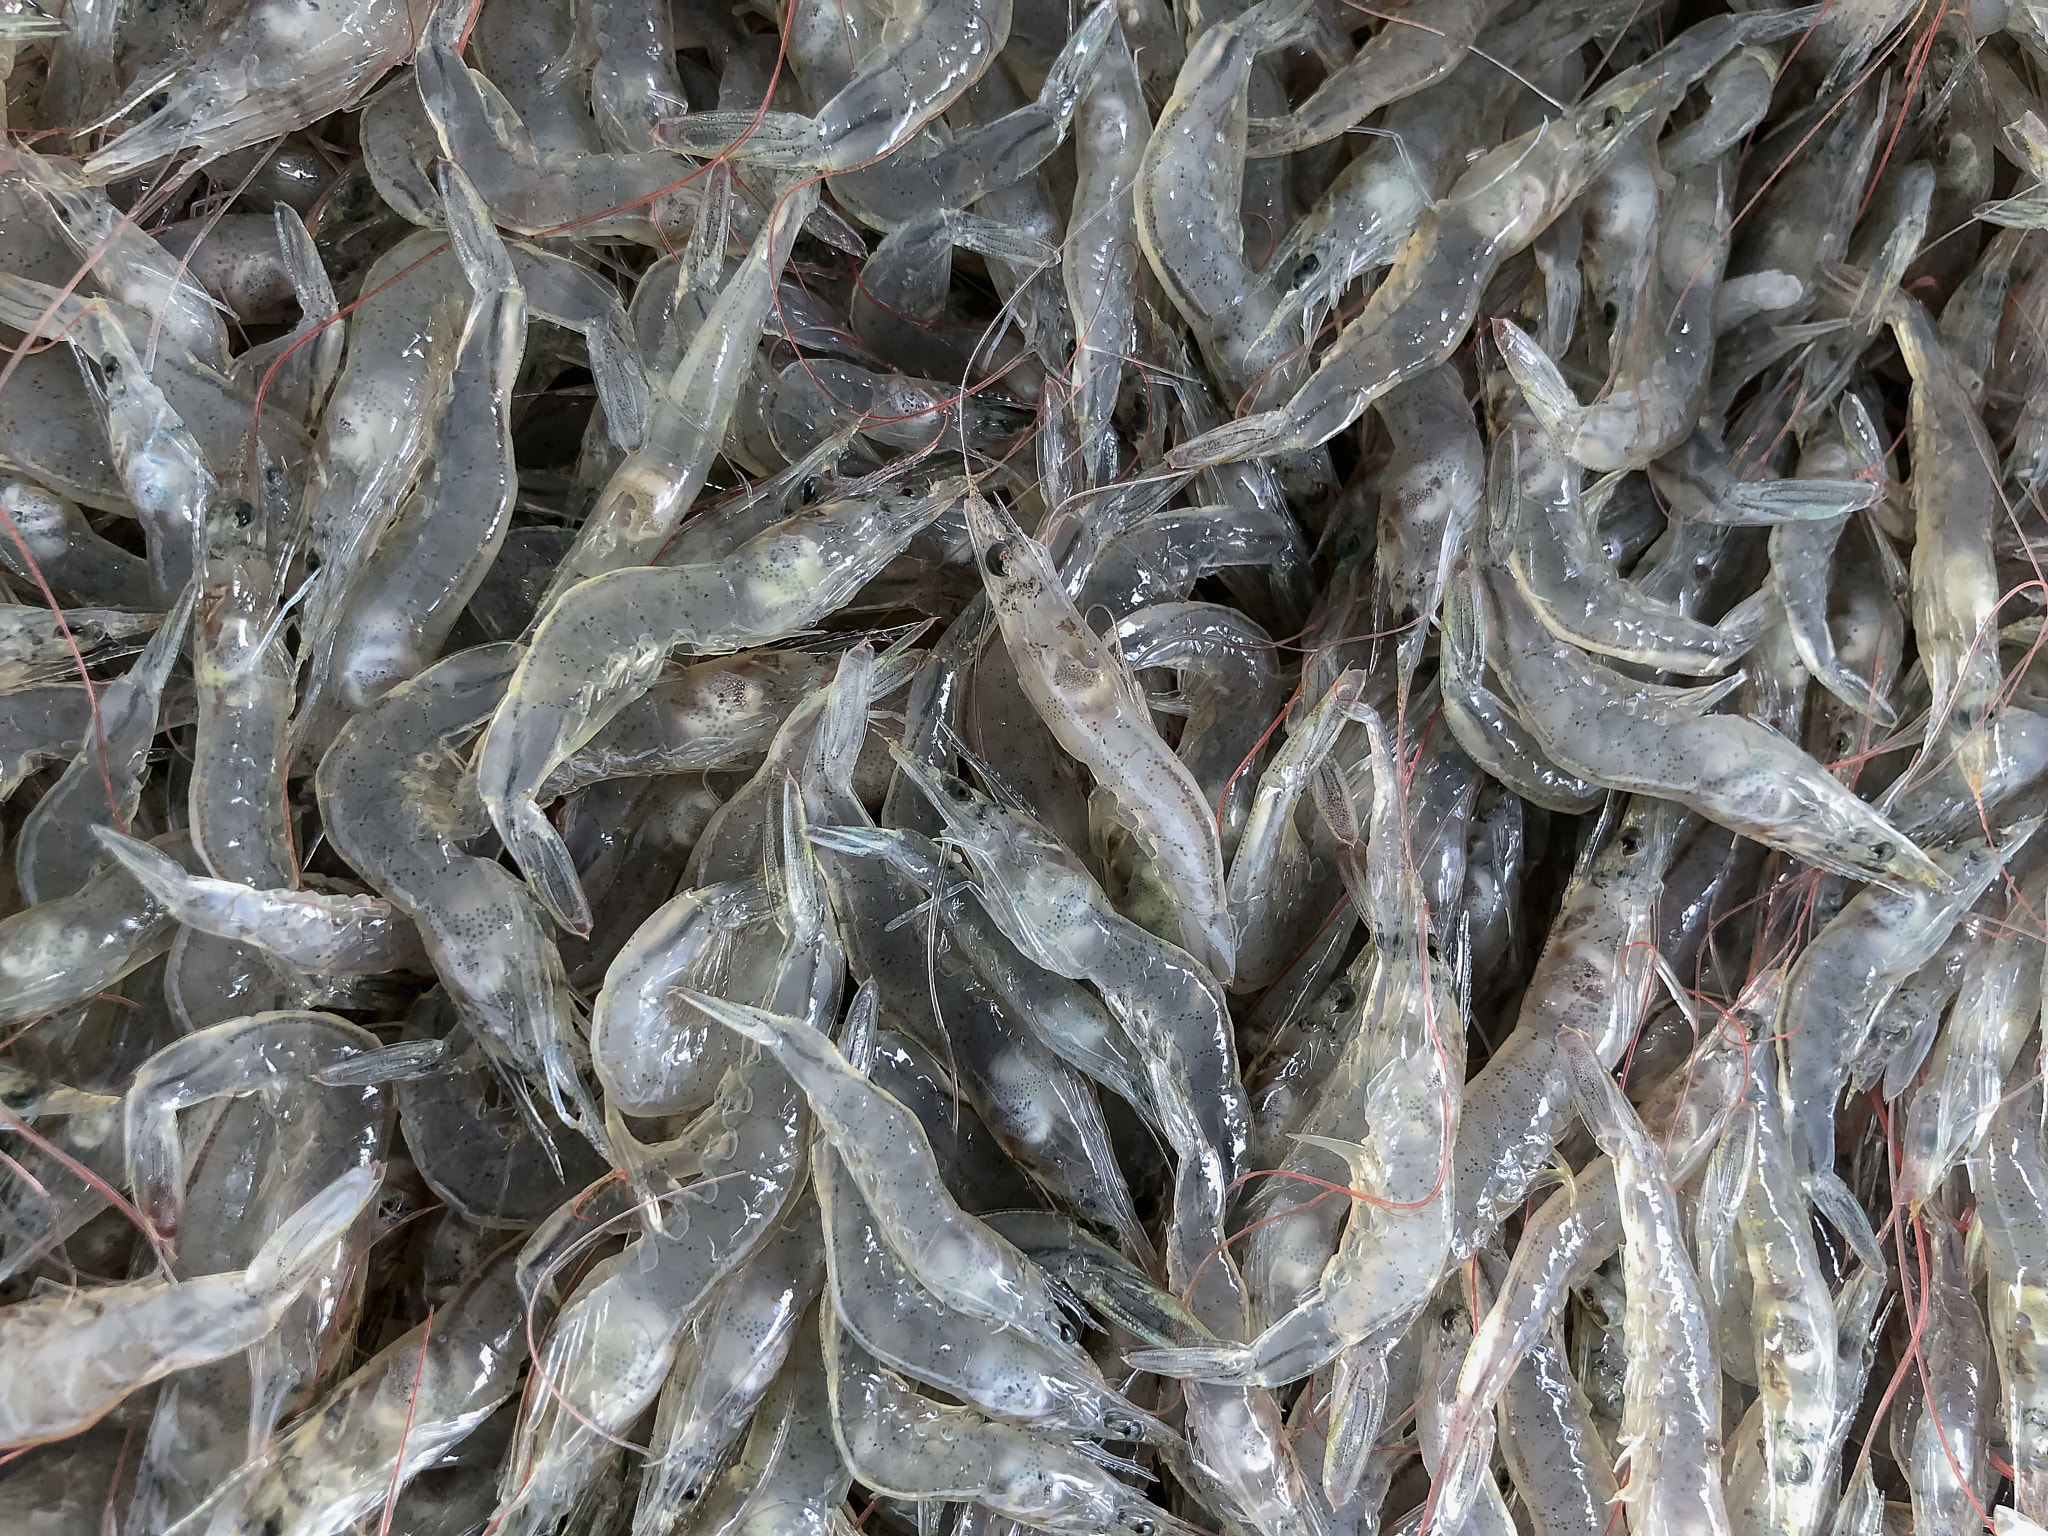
(294, 371)
(1654, 395)
(398, 1415)
(1188, 193)
(1047, 904)
(391, 800)
(1482, 721)
(65, 550)
(1399, 1083)
(310, 931)
(71, 1358)
(1956, 505)
(1945, 1467)
(1727, 768)
(1097, 264)
(952, 1254)
(33, 647)
(633, 79)
(790, 1480)
(1569, 1237)
(408, 594)
(52, 855)
(1409, 54)
(729, 1367)
(1802, 555)
(277, 65)
(1549, 544)
(1000, 1372)
(2011, 1180)
(1429, 502)
(1792, 1319)
(132, 267)
(647, 496)
(904, 1445)
(899, 309)
(637, 196)
(1092, 705)
(924, 56)
(1671, 1416)
(614, 1340)
(1417, 317)
(71, 947)
(1593, 977)
(600, 646)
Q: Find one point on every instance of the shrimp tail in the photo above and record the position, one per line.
(1205, 1363)
(539, 850)
(300, 1245)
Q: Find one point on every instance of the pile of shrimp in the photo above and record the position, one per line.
(936, 766)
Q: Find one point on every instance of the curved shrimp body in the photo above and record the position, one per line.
(1793, 1323)
(955, 1256)
(1111, 130)
(1945, 1466)
(1091, 704)
(70, 947)
(391, 800)
(2011, 1180)
(601, 644)
(398, 1415)
(72, 1358)
(1671, 1415)
(613, 1341)
(1409, 54)
(428, 563)
(644, 500)
(1956, 506)
(1729, 769)
(277, 66)
(50, 855)
(1552, 549)
(1048, 905)
(909, 1447)
(1592, 978)
(1188, 190)
(308, 930)
(1843, 980)
(1004, 1373)
(730, 1366)
(1571, 1235)
(1653, 398)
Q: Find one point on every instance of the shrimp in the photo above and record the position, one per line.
(2011, 1180)
(1399, 1080)
(952, 1254)
(729, 1368)
(1671, 1416)
(1422, 311)
(73, 1357)
(1090, 701)
(613, 1341)
(70, 947)
(310, 931)
(64, 548)
(392, 802)
(1793, 1323)
(600, 645)
(1002, 1373)
(398, 1415)
(1945, 1468)
(901, 1444)
(276, 66)
(647, 496)
(1727, 768)
(51, 857)
(407, 596)
(1541, 530)
(1097, 264)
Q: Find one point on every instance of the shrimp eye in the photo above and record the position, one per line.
(1343, 997)
(1311, 264)
(1141, 1528)
(244, 514)
(1631, 844)
(690, 1494)
(808, 491)
(1450, 1319)
(993, 560)
(958, 791)
(1881, 850)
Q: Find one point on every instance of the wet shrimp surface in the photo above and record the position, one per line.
(941, 766)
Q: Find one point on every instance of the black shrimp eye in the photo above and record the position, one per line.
(1881, 850)
(993, 560)
(1450, 1319)
(958, 791)
(1141, 1528)
(1631, 844)
(1343, 997)
(1310, 265)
